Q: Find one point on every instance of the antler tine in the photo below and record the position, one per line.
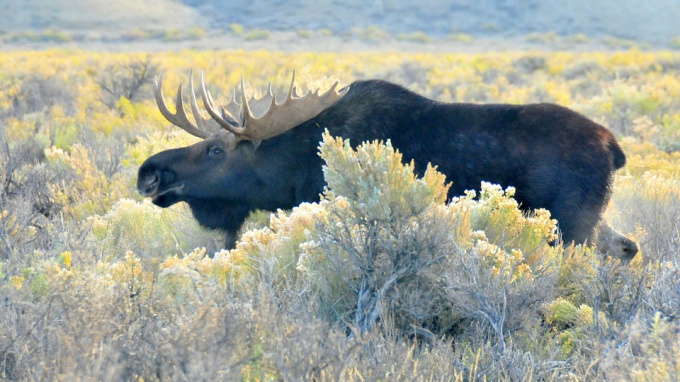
(247, 114)
(178, 119)
(292, 112)
(207, 102)
(233, 97)
(198, 116)
(335, 84)
(278, 119)
(273, 104)
(331, 91)
(291, 90)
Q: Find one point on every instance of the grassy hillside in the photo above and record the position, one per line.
(96, 16)
(97, 283)
(639, 20)
(610, 23)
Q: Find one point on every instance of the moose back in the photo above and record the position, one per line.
(555, 158)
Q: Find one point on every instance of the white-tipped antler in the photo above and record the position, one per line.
(278, 118)
(180, 118)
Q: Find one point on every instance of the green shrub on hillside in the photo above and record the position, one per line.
(370, 33)
(257, 34)
(416, 37)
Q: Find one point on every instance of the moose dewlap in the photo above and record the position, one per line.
(554, 157)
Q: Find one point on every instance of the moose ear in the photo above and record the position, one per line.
(247, 147)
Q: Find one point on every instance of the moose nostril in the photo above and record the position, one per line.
(153, 183)
(150, 184)
(630, 250)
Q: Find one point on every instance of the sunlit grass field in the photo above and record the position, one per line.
(97, 283)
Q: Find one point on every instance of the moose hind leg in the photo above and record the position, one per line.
(578, 226)
(579, 211)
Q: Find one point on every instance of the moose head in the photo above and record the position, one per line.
(220, 177)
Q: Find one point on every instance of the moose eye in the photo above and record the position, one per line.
(215, 152)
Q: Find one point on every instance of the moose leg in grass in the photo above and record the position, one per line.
(555, 158)
(611, 242)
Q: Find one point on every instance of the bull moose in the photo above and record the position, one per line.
(555, 158)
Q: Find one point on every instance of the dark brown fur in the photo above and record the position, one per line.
(555, 158)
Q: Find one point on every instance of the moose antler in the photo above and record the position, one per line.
(180, 118)
(278, 118)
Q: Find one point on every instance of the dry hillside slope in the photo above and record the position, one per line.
(651, 22)
(96, 15)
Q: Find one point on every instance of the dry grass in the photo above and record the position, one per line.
(96, 283)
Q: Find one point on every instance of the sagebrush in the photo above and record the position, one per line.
(375, 282)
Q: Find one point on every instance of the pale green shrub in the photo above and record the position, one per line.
(543, 38)
(389, 251)
(38, 93)
(257, 34)
(237, 29)
(646, 350)
(665, 134)
(621, 103)
(371, 33)
(652, 201)
(460, 37)
(147, 230)
(415, 37)
(377, 233)
(86, 190)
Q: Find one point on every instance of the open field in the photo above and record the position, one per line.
(97, 283)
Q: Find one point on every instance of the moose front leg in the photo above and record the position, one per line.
(230, 238)
(222, 215)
